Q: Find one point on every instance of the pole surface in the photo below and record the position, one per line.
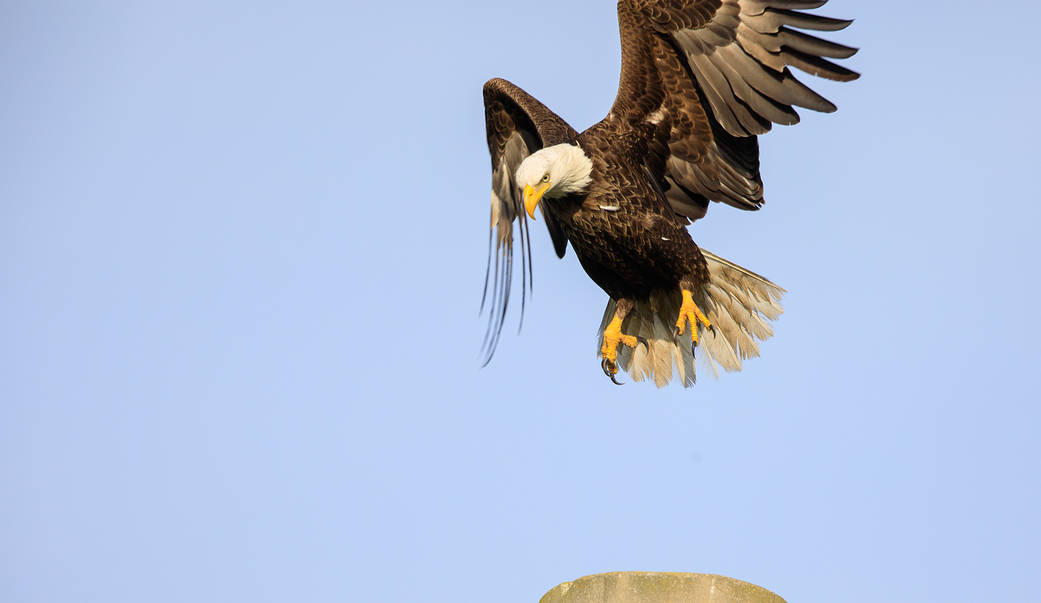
(658, 587)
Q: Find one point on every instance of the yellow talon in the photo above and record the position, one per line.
(690, 312)
(612, 337)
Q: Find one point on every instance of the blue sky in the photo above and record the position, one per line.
(241, 251)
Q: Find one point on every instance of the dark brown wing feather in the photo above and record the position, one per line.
(716, 72)
(517, 126)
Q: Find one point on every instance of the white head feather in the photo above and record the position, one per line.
(568, 167)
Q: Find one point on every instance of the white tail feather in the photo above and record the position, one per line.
(739, 304)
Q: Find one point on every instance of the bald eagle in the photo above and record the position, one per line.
(700, 80)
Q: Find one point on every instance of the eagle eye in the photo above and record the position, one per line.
(545, 178)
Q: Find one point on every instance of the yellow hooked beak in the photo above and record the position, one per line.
(532, 196)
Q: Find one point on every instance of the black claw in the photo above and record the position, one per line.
(676, 332)
(693, 348)
(609, 370)
(643, 341)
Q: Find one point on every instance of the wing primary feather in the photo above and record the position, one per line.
(798, 40)
(486, 345)
(500, 300)
(507, 287)
(819, 67)
(524, 277)
(498, 317)
(502, 277)
(487, 272)
(808, 21)
(527, 277)
(790, 4)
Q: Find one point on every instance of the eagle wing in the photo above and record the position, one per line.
(710, 75)
(517, 126)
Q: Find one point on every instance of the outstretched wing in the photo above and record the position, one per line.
(517, 126)
(710, 75)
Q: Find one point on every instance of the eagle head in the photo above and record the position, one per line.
(555, 171)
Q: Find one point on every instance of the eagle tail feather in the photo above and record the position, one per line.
(739, 303)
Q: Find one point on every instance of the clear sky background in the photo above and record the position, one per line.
(241, 254)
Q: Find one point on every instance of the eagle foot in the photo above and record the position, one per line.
(609, 349)
(690, 312)
(610, 369)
